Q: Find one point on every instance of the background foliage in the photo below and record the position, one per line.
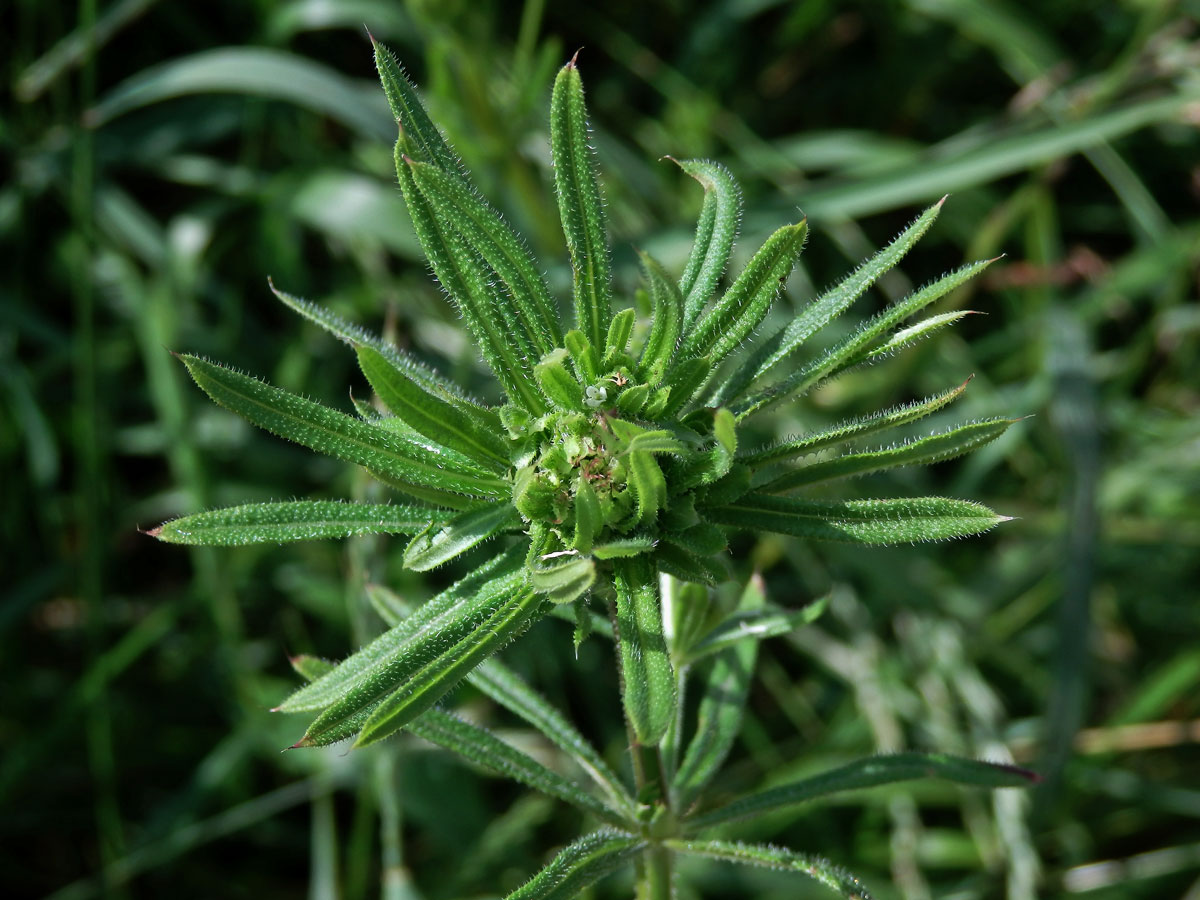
(162, 159)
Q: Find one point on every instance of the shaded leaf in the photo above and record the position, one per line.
(715, 233)
(821, 870)
(647, 678)
(865, 773)
(580, 864)
(666, 322)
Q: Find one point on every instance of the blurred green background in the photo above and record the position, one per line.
(162, 159)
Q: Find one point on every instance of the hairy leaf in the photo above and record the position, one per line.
(649, 683)
(582, 863)
(865, 773)
(898, 521)
(820, 870)
(460, 652)
(486, 750)
(743, 306)
(336, 434)
(580, 206)
(439, 544)
(925, 451)
(666, 323)
(437, 419)
(855, 428)
(722, 702)
(715, 233)
(302, 520)
(824, 309)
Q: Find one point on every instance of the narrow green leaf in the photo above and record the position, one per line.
(865, 773)
(719, 718)
(684, 380)
(582, 863)
(484, 749)
(632, 401)
(863, 339)
(432, 416)
(557, 383)
(766, 623)
(820, 870)
(743, 306)
(715, 233)
(708, 466)
(580, 206)
(506, 688)
(336, 434)
(498, 576)
(356, 336)
(619, 331)
(655, 442)
(925, 451)
(310, 668)
(648, 485)
(428, 684)
(589, 519)
(899, 521)
(666, 324)
(855, 428)
(623, 548)
(301, 520)
(826, 308)
(563, 577)
(649, 683)
(682, 563)
(440, 543)
(465, 279)
(531, 310)
(906, 337)
(583, 355)
(426, 141)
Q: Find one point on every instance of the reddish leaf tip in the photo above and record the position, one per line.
(152, 532)
(572, 63)
(374, 43)
(943, 200)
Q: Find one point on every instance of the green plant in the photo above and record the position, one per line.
(613, 476)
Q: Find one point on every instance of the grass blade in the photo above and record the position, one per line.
(437, 419)
(580, 864)
(826, 308)
(649, 683)
(922, 452)
(484, 749)
(821, 870)
(743, 306)
(336, 434)
(865, 773)
(855, 428)
(722, 702)
(303, 520)
(580, 205)
(428, 684)
(877, 522)
(716, 231)
(441, 542)
(863, 339)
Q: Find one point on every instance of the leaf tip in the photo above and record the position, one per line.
(151, 532)
(573, 62)
(939, 204)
